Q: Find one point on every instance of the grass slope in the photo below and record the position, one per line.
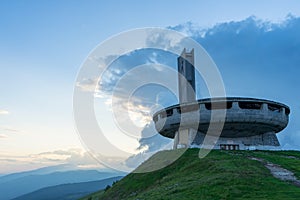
(220, 175)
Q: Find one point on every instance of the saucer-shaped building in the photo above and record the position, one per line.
(246, 123)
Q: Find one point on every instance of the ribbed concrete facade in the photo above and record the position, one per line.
(186, 75)
(249, 123)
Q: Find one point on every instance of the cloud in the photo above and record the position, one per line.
(74, 158)
(9, 129)
(150, 143)
(70, 156)
(155, 142)
(12, 130)
(4, 112)
(87, 85)
(163, 39)
(138, 112)
(116, 82)
(6, 131)
(149, 146)
(3, 136)
(190, 29)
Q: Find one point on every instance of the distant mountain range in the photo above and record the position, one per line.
(40, 171)
(68, 191)
(17, 184)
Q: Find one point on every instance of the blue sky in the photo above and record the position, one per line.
(44, 43)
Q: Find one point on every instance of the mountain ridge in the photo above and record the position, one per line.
(29, 183)
(69, 191)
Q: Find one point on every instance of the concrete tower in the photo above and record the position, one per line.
(187, 94)
(186, 71)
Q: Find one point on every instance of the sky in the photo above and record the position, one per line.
(44, 43)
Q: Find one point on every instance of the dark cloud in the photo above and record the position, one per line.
(125, 63)
(153, 143)
(149, 144)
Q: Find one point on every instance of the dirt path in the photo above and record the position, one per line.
(279, 172)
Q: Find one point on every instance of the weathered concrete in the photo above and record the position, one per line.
(186, 75)
(184, 138)
(249, 123)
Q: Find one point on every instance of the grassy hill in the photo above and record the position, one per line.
(220, 175)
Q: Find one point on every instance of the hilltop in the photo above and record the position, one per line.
(220, 175)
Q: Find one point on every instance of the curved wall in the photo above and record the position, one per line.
(244, 116)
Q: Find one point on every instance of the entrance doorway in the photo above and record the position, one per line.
(229, 147)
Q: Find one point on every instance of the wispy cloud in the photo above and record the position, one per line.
(9, 129)
(4, 112)
(3, 136)
(12, 130)
(71, 156)
(77, 158)
(6, 131)
(88, 85)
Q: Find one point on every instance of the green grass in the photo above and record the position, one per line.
(220, 175)
(94, 196)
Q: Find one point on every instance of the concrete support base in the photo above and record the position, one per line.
(190, 138)
(184, 138)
